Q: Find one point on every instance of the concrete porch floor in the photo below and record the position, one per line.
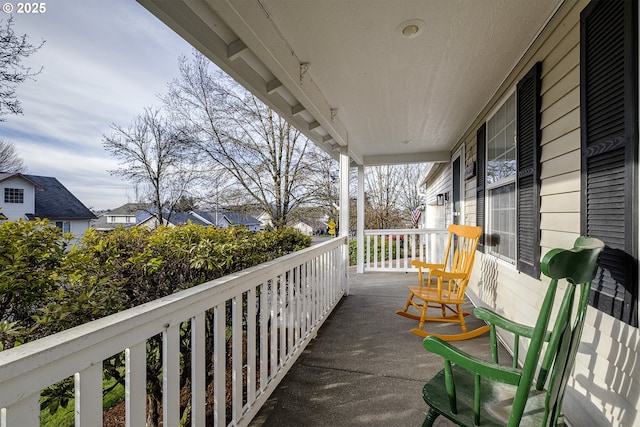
(365, 368)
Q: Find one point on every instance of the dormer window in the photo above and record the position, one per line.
(14, 195)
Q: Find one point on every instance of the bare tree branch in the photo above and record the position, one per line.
(13, 50)
(10, 161)
(152, 156)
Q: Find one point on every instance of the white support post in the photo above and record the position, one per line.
(344, 211)
(360, 220)
(344, 191)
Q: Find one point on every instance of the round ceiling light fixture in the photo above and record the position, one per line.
(411, 28)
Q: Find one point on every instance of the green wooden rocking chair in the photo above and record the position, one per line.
(473, 392)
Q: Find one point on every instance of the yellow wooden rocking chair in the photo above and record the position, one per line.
(444, 287)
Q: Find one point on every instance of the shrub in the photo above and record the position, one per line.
(45, 289)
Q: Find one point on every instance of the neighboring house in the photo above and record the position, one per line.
(124, 216)
(220, 219)
(31, 196)
(230, 219)
(303, 228)
(265, 220)
(554, 155)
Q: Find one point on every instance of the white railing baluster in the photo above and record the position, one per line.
(273, 356)
(316, 289)
(237, 383)
(304, 275)
(405, 250)
(251, 346)
(135, 395)
(298, 302)
(282, 324)
(219, 365)
(88, 396)
(367, 262)
(171, 375)
(198, 371)
(311, 295)
(291, 317)
(375, 252)
(264, 335)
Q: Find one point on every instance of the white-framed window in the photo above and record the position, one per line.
(13, 195)
(508, 178)
(501, 180)
(64, 226)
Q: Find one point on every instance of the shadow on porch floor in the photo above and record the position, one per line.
(364, 367)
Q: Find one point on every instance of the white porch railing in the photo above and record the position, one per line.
(278, 306)
(393, 250)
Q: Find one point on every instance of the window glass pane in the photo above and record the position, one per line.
(502, 207)
(500, 118)
(501, 150)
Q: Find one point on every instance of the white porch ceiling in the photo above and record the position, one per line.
(342, 71)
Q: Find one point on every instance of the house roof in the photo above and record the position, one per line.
(345, 75)
(55, 202)
(129, 209)
(209, 218)
(8, 175)
(184, 217)
(241, 219)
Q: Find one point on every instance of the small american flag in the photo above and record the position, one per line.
(415, 216)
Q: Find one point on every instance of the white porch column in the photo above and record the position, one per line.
(344, 210)
(344, 191)
(360, 220)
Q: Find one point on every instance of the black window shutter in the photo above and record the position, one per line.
(609, 139)
(528, 175)
(481, 141)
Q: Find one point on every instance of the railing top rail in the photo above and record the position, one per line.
(405, 231)
(102, 338)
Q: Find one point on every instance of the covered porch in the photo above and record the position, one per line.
(302, 340)
(364, 368)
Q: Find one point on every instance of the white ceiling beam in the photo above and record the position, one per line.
(297, 109)
(396, 159)
(235, 49)
(273, 85)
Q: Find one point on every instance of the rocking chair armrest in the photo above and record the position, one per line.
(448, 274)
(483, 368)
(495, 319)
(421, 264)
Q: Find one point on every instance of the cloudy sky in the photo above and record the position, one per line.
(102, 63)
